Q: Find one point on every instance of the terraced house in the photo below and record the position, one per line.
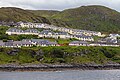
(28, 43)
(83, 37)
(56, 28)
(78, 43)
(46, 34)
(51, 34)
(15, 31)
(31, 32)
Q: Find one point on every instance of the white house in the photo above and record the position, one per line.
(46, 34)
(83, 37)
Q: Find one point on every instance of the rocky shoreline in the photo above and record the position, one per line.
(56, 67)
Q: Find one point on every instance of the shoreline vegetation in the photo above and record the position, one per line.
(59, 58)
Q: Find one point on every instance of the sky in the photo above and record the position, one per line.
(58, 4)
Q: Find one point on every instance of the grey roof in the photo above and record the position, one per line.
(32, 30)
(46, 32)
(9, 43)
(52, 43)
(83, 36)
(21, 43)
(26, 43)
(62, 33)
(14, 30)
(46, 43)
(28, 40)
(39, 40)
(78, 42)
(17, 42)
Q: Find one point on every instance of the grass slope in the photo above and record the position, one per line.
(17, 14)
(76, 55)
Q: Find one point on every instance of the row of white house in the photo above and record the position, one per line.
(84, 43)
(27, 43)
(46, 43)
(12, 31)
(56, 28)
(48, 34)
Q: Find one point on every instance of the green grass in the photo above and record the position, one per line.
(61, 41)
(62, 54)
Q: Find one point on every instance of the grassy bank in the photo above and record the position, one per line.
(99, 55)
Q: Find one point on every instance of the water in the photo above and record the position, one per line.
(63, 75)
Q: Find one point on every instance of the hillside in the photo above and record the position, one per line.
(44, 13)
(48, 14)
(98, 18)
(17, 14)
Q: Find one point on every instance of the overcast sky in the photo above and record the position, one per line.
(58, 4)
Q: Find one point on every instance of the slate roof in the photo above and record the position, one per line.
(32, 30)
(78, 42)
(83, 36)
(46, 43)
(14, 30)
(46, 32)
(62, 33)
(38, 40)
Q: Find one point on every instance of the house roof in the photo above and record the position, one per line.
(32, 30)
(83, 36)
(46, 43)
(14, 30)
(62, 33)
(22, 43)
(9, 43)
(46, 32)
(39, 40)
(78, 42)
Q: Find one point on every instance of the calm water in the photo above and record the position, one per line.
(64, 75)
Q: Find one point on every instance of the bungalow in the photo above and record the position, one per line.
(79, 43)
(83, 37)
(16, 31)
